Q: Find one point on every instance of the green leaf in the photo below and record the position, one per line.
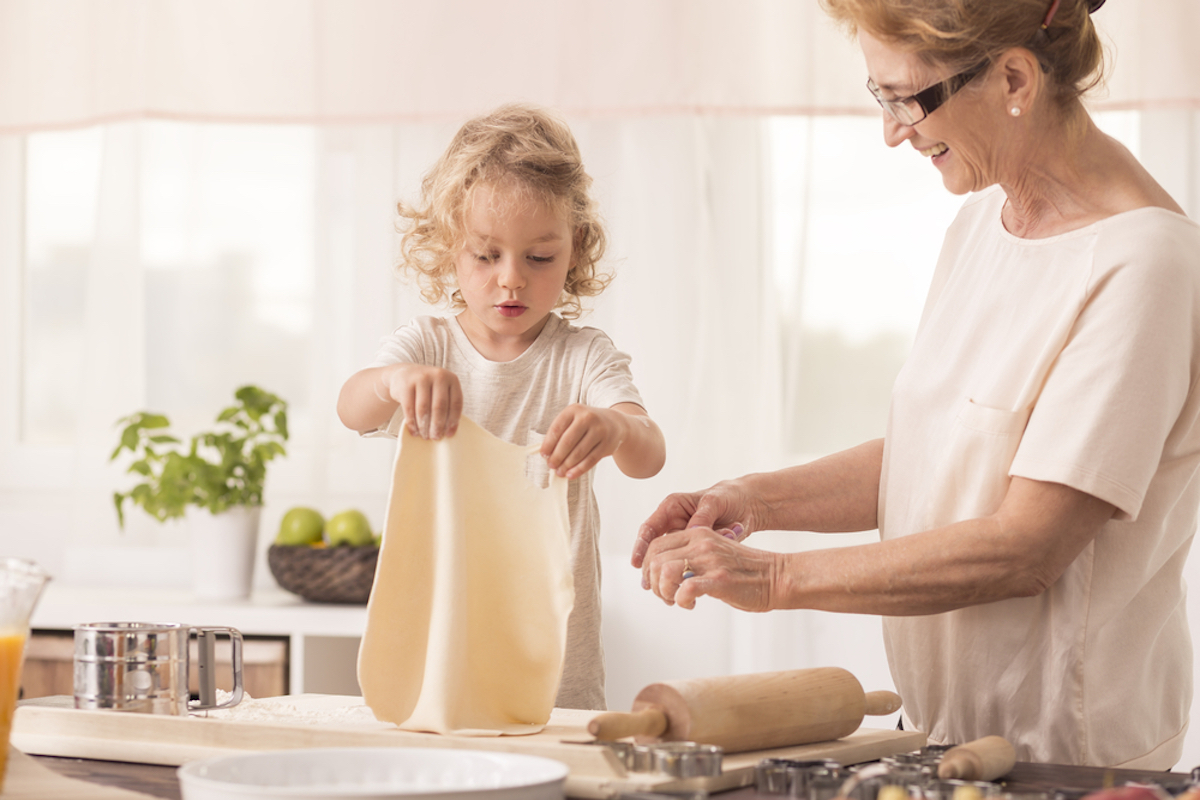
(154, 421)
(220, 469)
(269, 450)
(118, 501)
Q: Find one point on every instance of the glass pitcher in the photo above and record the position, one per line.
(21, 584)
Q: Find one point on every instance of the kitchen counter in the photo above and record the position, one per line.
(86, 743)
(160, 781)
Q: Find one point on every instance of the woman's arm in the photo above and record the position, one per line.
(836, 493)
(1019, 551)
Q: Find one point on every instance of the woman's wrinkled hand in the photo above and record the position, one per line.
(723, 508)
(741, 576)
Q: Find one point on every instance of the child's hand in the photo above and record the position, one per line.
(580, 436)
(431, 397)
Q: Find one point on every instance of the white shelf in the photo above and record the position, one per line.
(322, 639)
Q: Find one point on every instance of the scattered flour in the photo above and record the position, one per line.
(292, 710)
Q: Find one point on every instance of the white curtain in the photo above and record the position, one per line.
(72, 62)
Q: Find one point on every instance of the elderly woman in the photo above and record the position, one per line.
(1036, 492)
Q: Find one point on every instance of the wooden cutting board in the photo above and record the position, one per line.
(53, 726)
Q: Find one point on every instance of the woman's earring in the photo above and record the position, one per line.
(1015, 111)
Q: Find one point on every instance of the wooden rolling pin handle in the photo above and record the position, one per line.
(878, 704)
(613, 725)
(984, 759)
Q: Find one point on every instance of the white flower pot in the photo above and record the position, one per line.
(223, 551)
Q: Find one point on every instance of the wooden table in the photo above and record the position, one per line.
(149, 779)
(160, 781)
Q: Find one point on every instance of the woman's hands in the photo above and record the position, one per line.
(836, 493)
(1021, 550)
(741, 576)
(725, 507)
(700, 531)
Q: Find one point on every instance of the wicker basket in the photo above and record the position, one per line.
(325, 574)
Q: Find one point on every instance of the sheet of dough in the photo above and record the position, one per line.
(467, 619)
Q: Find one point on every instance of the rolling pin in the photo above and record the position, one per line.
(748, 712)
(981, 760)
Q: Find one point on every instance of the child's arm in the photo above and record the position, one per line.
(431, 397)
(582, 435)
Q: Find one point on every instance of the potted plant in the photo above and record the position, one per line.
(216, 482)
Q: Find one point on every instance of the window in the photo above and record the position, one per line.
(62, 175)
(220, 219)
(857, 227)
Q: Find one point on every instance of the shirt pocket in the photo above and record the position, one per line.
(972, 474)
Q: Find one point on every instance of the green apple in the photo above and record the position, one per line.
(300, 526)
(349, 528)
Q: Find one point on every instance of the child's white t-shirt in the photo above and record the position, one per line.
(517, 401)
(1074, 360)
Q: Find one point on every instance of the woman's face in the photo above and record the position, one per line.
(959, 137)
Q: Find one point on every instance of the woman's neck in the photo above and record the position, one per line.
(1074, 178)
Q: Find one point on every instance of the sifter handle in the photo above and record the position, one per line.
(881, 703)
(206, 638)
(612, 725)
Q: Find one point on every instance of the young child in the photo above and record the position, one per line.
(509, 233)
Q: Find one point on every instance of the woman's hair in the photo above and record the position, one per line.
(962, 33)
(521, 147)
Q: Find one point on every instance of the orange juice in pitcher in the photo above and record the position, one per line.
(12, 650)
(21, 583)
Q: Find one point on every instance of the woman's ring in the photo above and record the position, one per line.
(687, 570)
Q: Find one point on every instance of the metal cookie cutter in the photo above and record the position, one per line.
(687, 759)
(676, 759)
(789, 776)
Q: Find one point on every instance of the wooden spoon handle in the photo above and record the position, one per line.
(612, 725)
(881, 703)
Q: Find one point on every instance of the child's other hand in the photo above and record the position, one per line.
(431, 397)
(580, 436)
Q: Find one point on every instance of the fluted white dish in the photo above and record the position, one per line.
(373, 773)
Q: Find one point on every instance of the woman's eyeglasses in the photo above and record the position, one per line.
(914, 108)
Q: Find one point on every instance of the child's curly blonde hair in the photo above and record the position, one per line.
(515, 145)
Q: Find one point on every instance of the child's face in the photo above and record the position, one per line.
(512, 270)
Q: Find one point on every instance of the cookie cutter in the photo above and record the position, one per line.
(687, 759)
(676, 759)
(791, 777)
(788, 776)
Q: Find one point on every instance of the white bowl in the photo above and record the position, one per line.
(373, 773)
